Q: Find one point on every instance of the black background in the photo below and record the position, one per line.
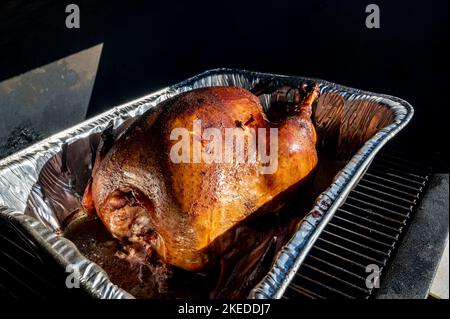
(148, 45)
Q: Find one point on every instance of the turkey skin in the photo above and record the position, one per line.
(152, 194)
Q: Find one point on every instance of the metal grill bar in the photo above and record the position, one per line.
(369, 221)
(365, 230)
(352, 242)
(369, 214)
(392, 190)
(391, 181)
(25, 274)
(378, 207)
(384, 194)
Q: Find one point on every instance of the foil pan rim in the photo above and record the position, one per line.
(95, 280)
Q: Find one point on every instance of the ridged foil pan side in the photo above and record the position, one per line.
(20, 192)
(89, 275)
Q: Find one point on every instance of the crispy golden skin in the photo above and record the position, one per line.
(186, 212)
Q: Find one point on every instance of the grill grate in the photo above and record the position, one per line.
(26, 272)
(365, 230)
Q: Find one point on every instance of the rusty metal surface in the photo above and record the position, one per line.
(47, 99)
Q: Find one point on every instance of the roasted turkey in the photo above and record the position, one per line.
(186, 212)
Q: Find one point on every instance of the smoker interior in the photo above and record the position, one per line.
(366, 230)
(343, 126)
(336, 272)
(144, 50)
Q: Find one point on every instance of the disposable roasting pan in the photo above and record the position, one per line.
(41, 185)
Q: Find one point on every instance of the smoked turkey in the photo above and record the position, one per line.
(187, 212)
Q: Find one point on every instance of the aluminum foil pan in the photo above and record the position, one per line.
(42, 185)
